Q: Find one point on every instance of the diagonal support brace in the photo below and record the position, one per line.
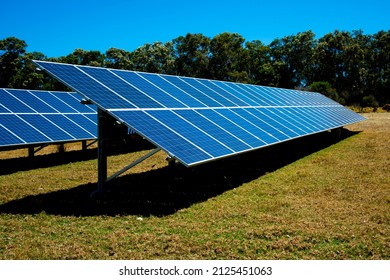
(141, 159)
(32, 151)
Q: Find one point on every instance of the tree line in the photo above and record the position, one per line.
(350, 67)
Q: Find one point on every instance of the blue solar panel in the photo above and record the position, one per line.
(6, 136)
(198, 120)
(87, 122)
(37, 117)
(22, 129)
(30, 100)
(12, 104)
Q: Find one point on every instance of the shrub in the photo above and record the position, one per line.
(369, 101)
(326, 89)
(386, 107)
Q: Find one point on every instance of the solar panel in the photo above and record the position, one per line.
(37, 117)
(199, 120)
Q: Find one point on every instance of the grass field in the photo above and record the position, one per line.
(318, 197)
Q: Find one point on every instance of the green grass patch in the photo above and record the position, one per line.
(318, 197)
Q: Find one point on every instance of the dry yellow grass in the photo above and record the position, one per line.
(315, 198)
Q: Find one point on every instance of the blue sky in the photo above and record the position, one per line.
(56, 28)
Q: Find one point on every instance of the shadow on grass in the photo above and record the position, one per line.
(12, 165)
(166, 190)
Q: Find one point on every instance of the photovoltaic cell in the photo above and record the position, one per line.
(37, 117)
(198, 120)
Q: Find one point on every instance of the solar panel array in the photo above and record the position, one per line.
(37, 117)
(198, 120)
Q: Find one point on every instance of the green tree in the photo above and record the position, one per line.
(154, 58)
(118, 59)
(192, 55)
(226, 58)
(292, 59)
(369, 101)
(27, 76)
(82, 57)
(379, 66)
(356, 65)
(326, 89)
(259, 65)
(340, 60)
(12, 51)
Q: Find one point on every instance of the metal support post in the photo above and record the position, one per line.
(102, 151)
(84, 145)
(106, 132)
(31, 152)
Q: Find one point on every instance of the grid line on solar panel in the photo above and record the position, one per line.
(274, 121)
(284, 99)
(46, 126)
(262, 100)
(222, 100)
(290, 120)
(207, 132)
(212, 96)
(26, 131)
(121, 87)
(65, 103)
(245, 125)
(248, 99)
(12, 104)
(177, 133)
(173, 143)
(174, 102)
(250, 114)
(8, 136)
(175, 92)
(206, 100)
(31, 101)
(251, 126)
(187, 97)
(150, 90)
(300, 115)
(62, 121)
(203, 140)
(101, 94)
(223, 93)
(225, 136)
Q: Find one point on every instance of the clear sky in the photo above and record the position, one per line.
(56, 28)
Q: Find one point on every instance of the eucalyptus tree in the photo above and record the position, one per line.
(29, 77)
(340, 59)
(12, 52)
(192, 55)
(83, 57)
(119, 59)
(258, 64)
(227, 57)
(379, 71)
(154, 58)
(292, 58)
